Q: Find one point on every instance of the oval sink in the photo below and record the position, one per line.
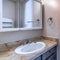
(30, 48)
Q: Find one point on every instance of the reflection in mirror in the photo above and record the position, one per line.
(21, 13)
(10, 14)
(33, 13)
(37, 13)
(28, 18)
(13, 13)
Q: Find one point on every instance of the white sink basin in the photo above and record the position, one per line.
(30, 48)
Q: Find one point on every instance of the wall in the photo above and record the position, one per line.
(58, 50)
(6, 37)
(52, 9)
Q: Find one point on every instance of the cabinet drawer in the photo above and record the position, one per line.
(48, 53)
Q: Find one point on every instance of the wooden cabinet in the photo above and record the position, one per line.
(38, 58)
(49, 55)
(53, 57)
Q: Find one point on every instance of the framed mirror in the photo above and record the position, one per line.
(20, 14)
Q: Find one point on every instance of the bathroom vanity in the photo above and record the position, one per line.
(49, 52)
(49, 55)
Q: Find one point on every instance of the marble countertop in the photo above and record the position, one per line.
(10, 54)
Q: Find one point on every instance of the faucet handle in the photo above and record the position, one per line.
(28, 41)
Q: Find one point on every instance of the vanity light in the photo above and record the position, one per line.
(51, 3)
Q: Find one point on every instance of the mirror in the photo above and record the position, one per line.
(21, 13)
(10, 13)
(37, 13)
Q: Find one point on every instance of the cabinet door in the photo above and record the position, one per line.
(49, 53)
(53, 57)
(38, 58)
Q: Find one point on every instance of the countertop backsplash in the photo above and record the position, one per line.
(8, 46)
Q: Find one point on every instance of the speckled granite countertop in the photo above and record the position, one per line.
(10, 55)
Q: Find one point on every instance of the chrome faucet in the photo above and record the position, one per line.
(28, 41)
